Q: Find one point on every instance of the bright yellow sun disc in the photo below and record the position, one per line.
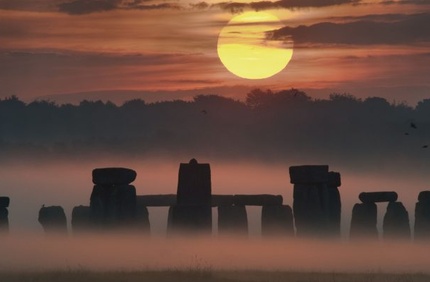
(246, 51)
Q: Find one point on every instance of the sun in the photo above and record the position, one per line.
(245, 50)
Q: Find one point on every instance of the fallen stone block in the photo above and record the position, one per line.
(113, 176)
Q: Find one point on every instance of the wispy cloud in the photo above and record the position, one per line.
(407, 29)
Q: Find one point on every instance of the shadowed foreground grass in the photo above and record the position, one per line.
(207, 276)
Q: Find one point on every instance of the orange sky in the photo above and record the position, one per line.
(65, 46)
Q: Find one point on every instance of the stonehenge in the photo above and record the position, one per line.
(4, 214)
(316, 206)
(316, 212)
(364, 217)
(53, 220)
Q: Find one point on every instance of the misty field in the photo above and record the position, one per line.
(209, 276)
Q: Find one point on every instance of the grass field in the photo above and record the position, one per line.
(207, 276)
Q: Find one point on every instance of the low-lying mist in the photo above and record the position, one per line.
(29, 252)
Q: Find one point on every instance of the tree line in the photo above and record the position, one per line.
(268, 124)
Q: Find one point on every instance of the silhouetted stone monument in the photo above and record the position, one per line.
(396, 222)
(363, 221)
(232, 220)
(317, 205)
(53, 220)
(422, 216)
(81, 219)
(277, 220)
(142, 223)
(4, 214)
(166, 200)
(113, 200)
(193, 209)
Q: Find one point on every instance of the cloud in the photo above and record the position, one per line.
(80, 7)
(410, 29)
(406, 2)
(237, 7)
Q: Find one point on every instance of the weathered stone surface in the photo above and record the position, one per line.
(166, 200)
(232, 219)
(396, 222)
(422, 221)
(53, 219)
(113, 176)
(310, 209)
(277, 221)
(81, 219)
(257, 200)
(222, 200)
(194, 219)
(424, 196)
(4, 202)
(363, 221)
(194, 184)
(309, 174)
(376, 197)
(4, 220)
(113, 206)
(334, 179)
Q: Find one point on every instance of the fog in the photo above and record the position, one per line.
(126, 253)
(30, 185)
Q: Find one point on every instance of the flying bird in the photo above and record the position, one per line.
(425, 146)
(406, 133)
(413, 125)
(204, 112)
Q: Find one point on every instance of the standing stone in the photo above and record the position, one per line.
(277, 221)
(316, 203)
(257, 200)
(194, 184)
(310, 202)
(422, 216)
(396, 222)
(113, 206)
(193, 210)
(81, 219)
(334, 207)
(53, 220)
(4, 214)
(189, 219)
(363, 221)
(232, 220)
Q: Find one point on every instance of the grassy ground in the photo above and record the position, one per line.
(207, 276)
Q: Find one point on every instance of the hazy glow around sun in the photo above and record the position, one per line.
(245, 51)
